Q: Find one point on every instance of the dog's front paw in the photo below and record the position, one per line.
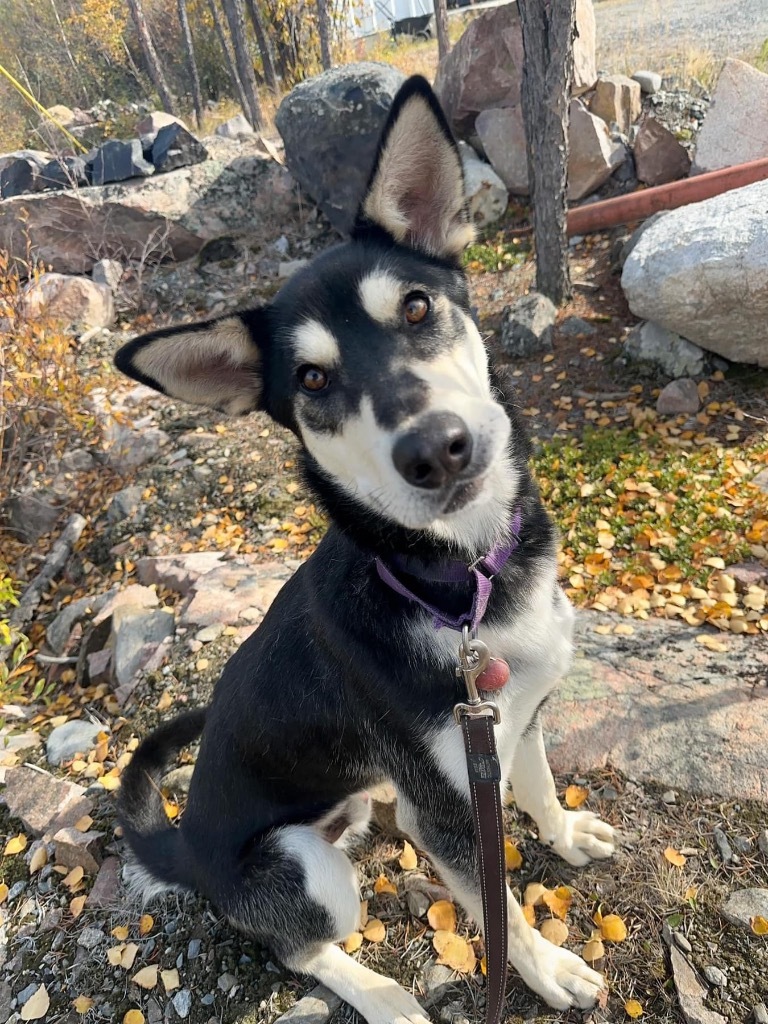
(582, 837)
(391, 1004)
(560, 977)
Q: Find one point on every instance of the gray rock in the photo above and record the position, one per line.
(19, 177)
(26, 993)
(760, 1013)
(78, 849)
(77, 737)
(723, 846)
(314, 1008)
(486, 193)
(715, 976)
(691, 271)
(193, 949)
(16, 890)
(176, 147)
(59, 631)
(760, 481)
(226, 981)
(330, 125)
(616, 100)
(669, 797)
(117, 160)
(636, 235)
(133, 448)
(43, 803)
(679, 396)
(90, 938)
(676, 357)
(152, 123)
(734, 131)
(31, 516)
(691, 993)
(681, 942)
(235, 127)
(418, 903)
(574, 327)
(179, 779)
(208, 634)
(526, 326)
(594, 155)
(106, 888)
(135, 629)
(649, 81)
(124, 503)
(76, 460)
(108, 272)
(182, 1002)
(744, 904)
(76, 301)
(658, 155)
(67, 172)
(502, 136)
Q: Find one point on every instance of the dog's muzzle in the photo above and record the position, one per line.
(435, 452)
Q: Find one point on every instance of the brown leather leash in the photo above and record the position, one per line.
(477, 718)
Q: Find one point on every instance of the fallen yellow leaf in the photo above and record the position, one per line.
(16, 845)
(554, 930)
(613, 928)
(146, 924)
(512, 856)
(383, 884)
(374, 931)
(442, 916)
(38, 860)
(633, 1009)
(534, 894)
(120, 932)
(4, 890)
(454, 951)
(128, 955)
(115, 954)
(146, 977)
(759, 925)
(558, 901)
(529, 914)
(575, 796)
(353, 942)
(408, 859)
(37, 1005)
(133, 1017)
(77, 905)
(82, 1004)
(674, 857)
(711, 642)
(170, 979)
(593, 950)
(74, 878)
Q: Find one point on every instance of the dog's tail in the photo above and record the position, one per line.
(155, 843)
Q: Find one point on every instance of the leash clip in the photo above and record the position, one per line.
(473, 660)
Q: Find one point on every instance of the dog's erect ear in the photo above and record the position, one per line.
(416, 191)
(216, 363)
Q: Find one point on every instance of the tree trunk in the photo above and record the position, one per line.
(150, 56)
(324, 30)
(441, 24)
(197, 96)
(265, 48)
(549, 27)
(233, 9)
(229, 57)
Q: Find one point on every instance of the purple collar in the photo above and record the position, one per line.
(481, 574)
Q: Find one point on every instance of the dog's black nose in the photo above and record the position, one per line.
(430, 454)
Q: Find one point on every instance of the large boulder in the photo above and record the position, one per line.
(118, 160)
(238, 191)
(330, 125)
(659, 157)
(617, 99)
(176, 147)
(502, 135)
(584, 64)
(483, 70)
(594, 155)
(702, 271)
(75, 301)
(735, 129)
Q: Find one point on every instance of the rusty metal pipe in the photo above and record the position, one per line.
(639, 205)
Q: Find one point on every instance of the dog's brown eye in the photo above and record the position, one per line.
(312, 378)
(415, 307)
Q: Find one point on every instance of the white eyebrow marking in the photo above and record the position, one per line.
(381, 294)
(314, 343)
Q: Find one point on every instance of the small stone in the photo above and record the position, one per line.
(608, 793)
(617, 100)
(679, 397)
(108, 272)
(418, 903)
(526, 326)
(125, 504)
(90, 938)
(136, 633)
(107, 885)
(762, 842)
(78, 849)
(209, 633)
(193, 949)
(682, 942)
(575, 327)
(76, 301)
(745, 904)
(43, 803)
(31, 516)
(178, 780)
(234, 127)
(16, 890)
(659, 156)
(715, 976)
(75, 737)
(27, 993)
(691, 993)
(723, 846)
(743, 845)
(208, 999)
(182, 1002)
(760, 1013)
(670, 797)
(226, 982)
(76, 460)
(649, 81)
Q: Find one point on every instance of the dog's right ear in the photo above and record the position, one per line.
(216, 363)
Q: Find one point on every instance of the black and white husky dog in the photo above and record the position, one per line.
(371, 357)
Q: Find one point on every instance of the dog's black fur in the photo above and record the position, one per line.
(335, 692)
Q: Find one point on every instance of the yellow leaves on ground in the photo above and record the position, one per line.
(554, 930)
(146, 924)
(454, 951)
(408, 859)
(3, 892)
(77, 905)
(674, 857)
(558, 901)
(123, 955)
(133, 1017)
(374, 931)
(612, 928)
(442, 916)
(383, 884)
(120, 932)
(593, 950)
(37, 1005)
(38, 860)
(759, 925)
(17, 844)
(575, 796)
(353, 942)
(170, 807)
(633, 1009)
(74, 878)
(534, 894)
(82, 1004)
(512, 856)
(711, 642)
(146, 977)
(170, 979)
(530, 915)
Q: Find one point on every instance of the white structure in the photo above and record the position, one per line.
(366, 17)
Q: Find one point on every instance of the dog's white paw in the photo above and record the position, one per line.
(582, 837)
(391, 1004)
(560, 977)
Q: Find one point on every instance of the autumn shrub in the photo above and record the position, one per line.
(17, 666)
(43, 397)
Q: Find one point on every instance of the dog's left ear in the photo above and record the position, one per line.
(416, 191)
